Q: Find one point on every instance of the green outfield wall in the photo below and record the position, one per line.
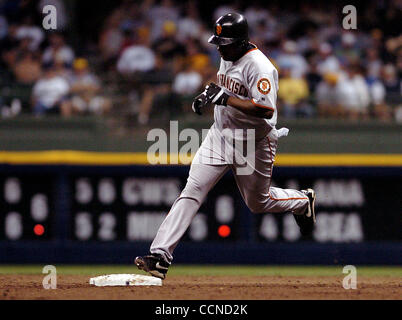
(105, 135)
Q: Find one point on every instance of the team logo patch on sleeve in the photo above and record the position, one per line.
(264, 86)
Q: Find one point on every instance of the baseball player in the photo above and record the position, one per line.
(244, 98)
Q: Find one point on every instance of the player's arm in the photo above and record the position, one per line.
(262, 90)
(251, 108)
(216, 95)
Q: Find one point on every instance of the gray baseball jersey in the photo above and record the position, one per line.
(251, 77)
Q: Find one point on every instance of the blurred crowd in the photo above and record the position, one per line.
(159, 50)
(40, 72)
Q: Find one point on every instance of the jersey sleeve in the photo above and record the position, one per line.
(263, 89)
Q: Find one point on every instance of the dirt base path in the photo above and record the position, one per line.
(205, 288)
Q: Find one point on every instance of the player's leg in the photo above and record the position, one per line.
(201, 180)
(206, 170)
(256, 188)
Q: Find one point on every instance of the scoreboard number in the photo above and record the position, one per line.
(107, 222)
(12, 190)
(26, 207)
(83, 226)
(39, 207)
(106, 191)
(83, 191)
(13, 226)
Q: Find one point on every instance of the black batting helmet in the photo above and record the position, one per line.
(230, 28)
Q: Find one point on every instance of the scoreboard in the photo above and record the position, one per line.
(93, 206)
(128, 208)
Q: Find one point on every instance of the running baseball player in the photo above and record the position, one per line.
(244, 98)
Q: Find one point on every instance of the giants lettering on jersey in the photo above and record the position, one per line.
(232, 85)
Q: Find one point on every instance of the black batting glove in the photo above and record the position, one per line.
(199, 102)
(216, 94)
(211, 94)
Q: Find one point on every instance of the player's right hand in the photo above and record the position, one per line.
(199, 102)
(196, 106)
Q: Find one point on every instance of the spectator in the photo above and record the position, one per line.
(290, 58)
(85, 90)
(111, 39)
(29, 31)
(353, 94)
(308, 41)
(157, 91)
(347, 51)
(62, 69)
(189, 25)
(328, 62)
(50, 92)
(373, 63)
(195, 55)
(12, 48)
(159, 14)
(14, 51)
(138, 57)
(256, 14)
(133, 14)
(393, 89)
(127, 40)
(27, 68)
(262, 32)
(167, 46)
(391, 81)
(293, 93)
(313, 76)
(327, 96)
(188, 81)
(381, 110)
(58, 50)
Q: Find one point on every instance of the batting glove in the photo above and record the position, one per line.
(199, 102)
(211, 94)
(216, 94)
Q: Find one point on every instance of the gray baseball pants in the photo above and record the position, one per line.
(207, 168)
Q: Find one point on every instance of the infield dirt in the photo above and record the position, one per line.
(75, 287)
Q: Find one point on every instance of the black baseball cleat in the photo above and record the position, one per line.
(307, 220)
(153, 264)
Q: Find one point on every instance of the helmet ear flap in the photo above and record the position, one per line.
(244, 42)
